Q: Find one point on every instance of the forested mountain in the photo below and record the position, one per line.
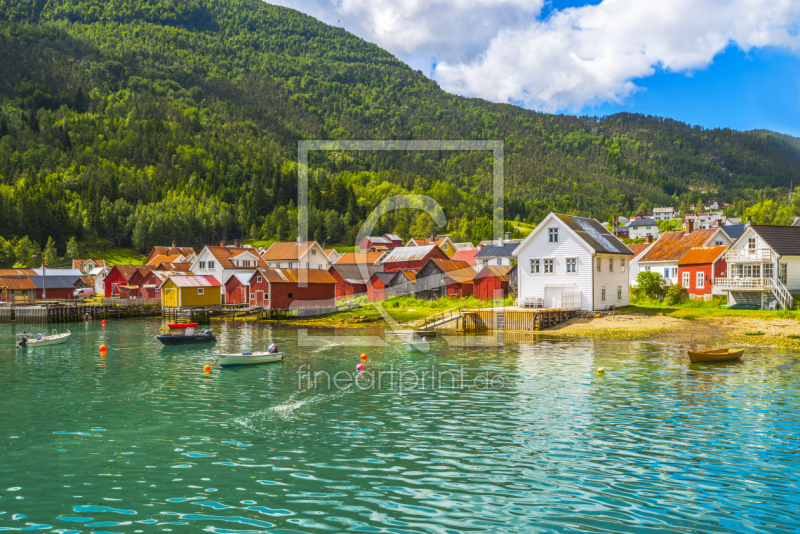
(142, 121)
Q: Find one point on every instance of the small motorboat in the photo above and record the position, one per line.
(185, 334)
(418, 346)
(716, 355)
(25, 340)
(249, 358)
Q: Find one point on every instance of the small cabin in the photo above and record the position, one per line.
(185, 291)
(491, 282)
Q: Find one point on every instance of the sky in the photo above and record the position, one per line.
(714, 63)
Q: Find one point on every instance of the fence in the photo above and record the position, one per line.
(113, 301)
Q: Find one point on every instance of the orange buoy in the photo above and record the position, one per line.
(207, 368)
(103, 347)
(363, 356)
(104, 322)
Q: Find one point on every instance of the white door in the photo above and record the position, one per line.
(552, 297)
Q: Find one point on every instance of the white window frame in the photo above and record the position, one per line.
(553, 234)
(782, 272)
(536, 262)
(211, 265)
(258, 279)
(751, 243)
(611, 265)
(700, 280)
(551, 264)
(202, 265)
(446, 246)
(290, 265)
(572, 262)
(599, 264)
(200, 291)
(619, 292)
(673, 273)
(622, 265)
(252, 296)
(603, 293)
(686, 279)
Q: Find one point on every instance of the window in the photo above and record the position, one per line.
(718, 243)
(290, 265)
(258, 279)
(599, 265)
(313, 252)
(622, 265)
(619, 292)
(446, 246)
(646, 267)
(603, 294)
(674, 272)
(611, 265)
(202, 265)
(782, 273)
(548, 266)
(252, 296)
(275, 265)
(701, 280)
(200, 290)
(751, 243)
(553, 235)
(308, 265)
(686, 280)
(534, 266)
(158, 290)
(572, 265)
(291, 295)
(211, 265)
(767, 270)
(320, 266)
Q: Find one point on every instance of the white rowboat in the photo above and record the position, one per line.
(247, 358)
(25, 340)
(419, 346)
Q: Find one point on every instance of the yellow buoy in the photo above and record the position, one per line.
(601, 370)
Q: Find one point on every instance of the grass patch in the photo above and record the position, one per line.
(692, 309)
(117, 256)
(793, 336)
(758, 333)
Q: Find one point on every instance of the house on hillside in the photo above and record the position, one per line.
(663, 256)
(352, 279)
(663, 214)
(174, 250)
(222, 262)
(641, 228)
(443, 242)
(491, 282)
(366, 258)
(286, 293)
(698, 269)
(171, 258)
(412, 258)
(467, 256)
(440, 278)
(150, 286)
(188, 291)
(763, 267)
(384, 242)
(297, 255)
(572, 263)
(175, 267)
(497, 254)
(332, 254)
(87, 266)
(735, 231)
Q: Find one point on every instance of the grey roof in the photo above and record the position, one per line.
(497, 251)
(55, 282)
(408, 253)
(59, 272)
(351, 272)
(386, 277)
(642, 222)
(734, 231)
(595, 235)
(785, 240)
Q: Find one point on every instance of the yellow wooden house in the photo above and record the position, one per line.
(184, 291)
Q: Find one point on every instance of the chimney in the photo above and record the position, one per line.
(433, 236)
(719, 223)
(648, 238)
(299, 239)
(508, 235)
(689, 226)
(236, 243)
(174, 244)
(222, 243)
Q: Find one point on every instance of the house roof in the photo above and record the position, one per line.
(464, 246)
(359, 257)
(384, 277)
(409, 253)
(379, 239)
(734, 231)
(185, 280)
(408, 273)
(460, 271)
(702, 255)
(467, 256)
(164, 258)
(86, 280)
(17, 272)
(638, 248)
(18, 282)
(313, 276)
(224, 254)
(171, 251)
(329, 251)
(126, 270)
(642, 222)
(55, 282)
(640, 214)
(175, 267)
(393, 237)
(59, 272)
(351, 272)
(671, 246)
(506, 250)
(424, 241)
(79, 264)
(498, 271)
(594, 234)
(287, 251)
(784, 240)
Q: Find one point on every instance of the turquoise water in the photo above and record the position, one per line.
(142, 440)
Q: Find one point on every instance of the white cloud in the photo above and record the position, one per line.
(501, 51)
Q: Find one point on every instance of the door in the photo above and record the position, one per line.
(260, 298)
(170, 297)
(552, 297)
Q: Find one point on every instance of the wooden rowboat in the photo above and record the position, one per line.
(26, 340)
(718, 355)
(247, 358)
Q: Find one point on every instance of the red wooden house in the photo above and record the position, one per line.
(150, 286)
(444, 278)
(350, 281)
(412, 258)
(698, 268)
(247, 288)
(377, 289)
(124, 275)
(286, 292)
(491, 282)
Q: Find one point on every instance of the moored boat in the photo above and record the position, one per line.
(717, 355)
(25, 340)
(418, 346)
(185, 334)
(247, 358)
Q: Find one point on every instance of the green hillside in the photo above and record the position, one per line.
(139, 122)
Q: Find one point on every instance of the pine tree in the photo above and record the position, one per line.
(50, 255)
(72, 250)
(80, 104)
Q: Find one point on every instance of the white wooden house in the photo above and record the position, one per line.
(573, 263)
(763, 267)
(222, 262)
(297, 255)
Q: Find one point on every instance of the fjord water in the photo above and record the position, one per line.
(142, 440)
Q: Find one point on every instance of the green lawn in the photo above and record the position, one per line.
(116, 256)
(266, 243)
(692, 309)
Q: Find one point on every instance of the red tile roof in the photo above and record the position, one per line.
(498, 271)
(223, 255)
(702, 255)
(671, 246)
(359, 257)
(184, 280)
(638, 248)
(287, 251)
(466, 255)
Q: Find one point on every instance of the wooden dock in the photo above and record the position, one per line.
(70, 312)
(501, 319)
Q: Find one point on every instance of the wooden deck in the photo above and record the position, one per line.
(514, 319)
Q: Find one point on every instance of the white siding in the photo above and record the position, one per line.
(792, 273)
(611, 281)
(637, 232)
(314, 261)
(658, 267)
(539, 247)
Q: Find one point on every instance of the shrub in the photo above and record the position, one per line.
(759, 333)
(649, 284)
(676, 295)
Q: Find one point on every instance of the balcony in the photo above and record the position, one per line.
(759, 255)
(743, 284)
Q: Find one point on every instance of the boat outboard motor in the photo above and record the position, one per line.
(23, 342)
(272, 349)
(207, 333)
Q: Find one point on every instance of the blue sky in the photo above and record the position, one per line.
(713, 63)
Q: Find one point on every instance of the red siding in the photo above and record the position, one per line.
(150, 292)
(259, 290)
(377, 290)
(486, 287)
(313, 296)
(719, 268)
(113, 280)
(346, 289)
(236, 292)
(59, 293)
(457, 290)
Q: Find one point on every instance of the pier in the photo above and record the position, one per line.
(70, 312)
